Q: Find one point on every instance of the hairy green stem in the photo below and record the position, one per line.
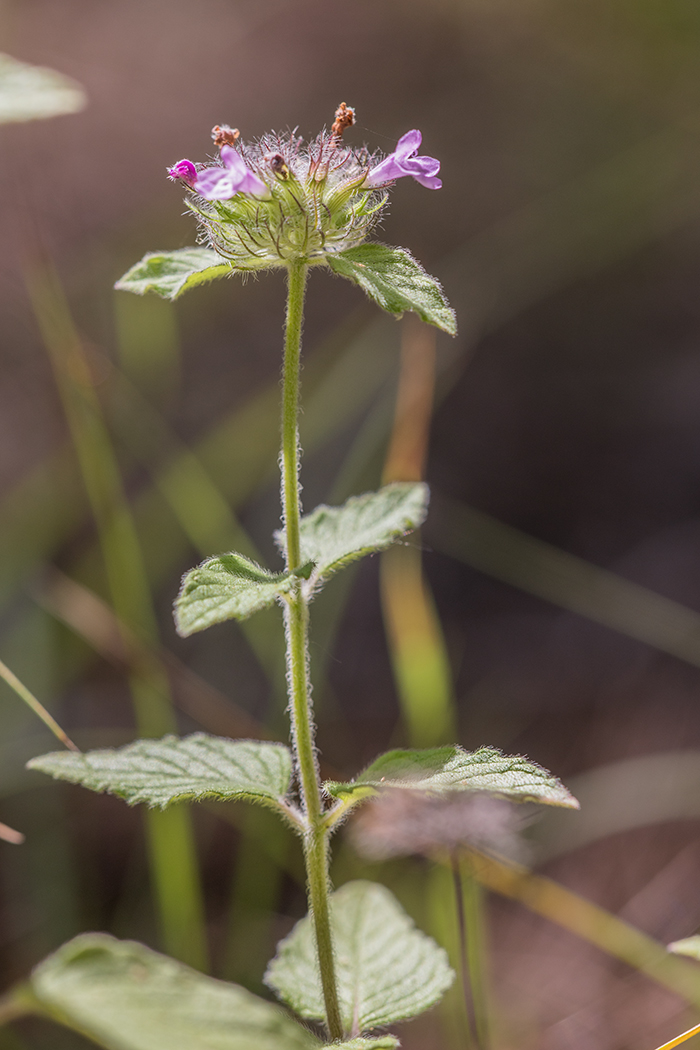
(296, 624)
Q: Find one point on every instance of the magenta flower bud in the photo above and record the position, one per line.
(404, 161)
(184, 170)
(220, 184)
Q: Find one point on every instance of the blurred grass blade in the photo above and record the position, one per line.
(510, 555)
(416, 643)
(171, 841)
(590, 922)
(10, 835)
(476, 950)
(38, 708)
(680, 1038)
(417, 649)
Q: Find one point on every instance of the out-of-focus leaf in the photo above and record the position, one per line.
(160, 772)
(689, 946)
(332, 537)
(169, 274)
(386, 969)
(34, 92)
(127, 997)
(396, 282)
(441, 769)
(229, 587)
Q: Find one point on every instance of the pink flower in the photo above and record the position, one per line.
(220, 184)
(404, 161)
(185, 170)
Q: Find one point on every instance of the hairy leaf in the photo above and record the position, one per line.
(396, 281)
(160, 772)
(387, 970)
(126, 997)
(169, 274)
(441, 769)
(34, 92)
(331, 537)
(229, 587)
(381, 1042)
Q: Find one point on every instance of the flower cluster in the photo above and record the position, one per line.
(275, 200)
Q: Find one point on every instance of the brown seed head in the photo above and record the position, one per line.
(344, 118)
(223, 135)
(278, 164)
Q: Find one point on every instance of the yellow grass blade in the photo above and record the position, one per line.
(680, 1038)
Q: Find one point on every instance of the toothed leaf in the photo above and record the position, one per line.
(169, 274)
(332, 537)
(229, 587)
(443, 769)
(396, 282)
(387, 970)
(160, 772)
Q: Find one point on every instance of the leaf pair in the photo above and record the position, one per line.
(233, 587)
(161, 772)
(389, 276)
(127, 997)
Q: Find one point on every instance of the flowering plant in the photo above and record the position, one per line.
(356, 964)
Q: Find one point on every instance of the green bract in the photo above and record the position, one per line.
(317, 204)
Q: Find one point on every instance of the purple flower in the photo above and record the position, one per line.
(403, 161)
(185, 170)
(220, 184)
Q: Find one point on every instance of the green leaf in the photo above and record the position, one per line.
(126, 997)
(387, 970)
(229, 587)
(382, 1042)
(34, 92)
(169, 274)
(442, 769)
(160, 772)
(689, 946)
(331, 537)
(396, 281)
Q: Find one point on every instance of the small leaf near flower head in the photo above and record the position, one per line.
(184, 170)
(404, 161)
(396, 282)
(168, 274)
(221, 184)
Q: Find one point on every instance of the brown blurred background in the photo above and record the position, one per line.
(567, 237)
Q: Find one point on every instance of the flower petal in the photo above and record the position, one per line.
(216, 184)
(185, 170)
(429, 181)
(408, 144)
(403, 161)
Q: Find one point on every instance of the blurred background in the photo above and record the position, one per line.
(551, 605)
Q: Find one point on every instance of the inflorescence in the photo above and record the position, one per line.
(276, 200)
